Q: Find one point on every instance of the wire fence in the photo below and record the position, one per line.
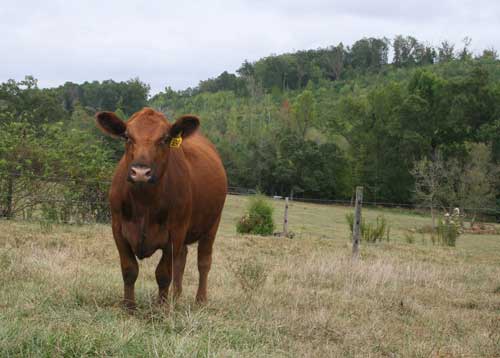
(83, 200)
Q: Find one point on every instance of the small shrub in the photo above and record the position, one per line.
(371, 232)
(349, 218)
(258, 219)
(48, 218)
(251, 275)
(446, 234)
(426, 229)
(378, 231)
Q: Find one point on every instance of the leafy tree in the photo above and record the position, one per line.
(478, 178)
(24, 98)
(332, 61)
(304, 113)
(489, 54)
(466, 54)
(370, 53)
(246, 70)
(430, 176)
(224, 82)
(129, 96)
(408, 52)
(446, 52)
(58, 163)
(19, 157)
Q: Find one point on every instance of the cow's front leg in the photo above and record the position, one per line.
(163, 275)
(172, 265)
(130, 271)
(128, 263)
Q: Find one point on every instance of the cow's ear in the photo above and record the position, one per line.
(111, 124)
(185, 126)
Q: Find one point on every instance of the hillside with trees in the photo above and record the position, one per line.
(311, 124)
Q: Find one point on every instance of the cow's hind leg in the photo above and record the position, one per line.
(179, 265)
(205, 262)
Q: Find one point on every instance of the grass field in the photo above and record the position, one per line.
(61, 287)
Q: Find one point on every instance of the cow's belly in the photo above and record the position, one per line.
(193, 236)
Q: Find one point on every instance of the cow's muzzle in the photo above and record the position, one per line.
(140, 174)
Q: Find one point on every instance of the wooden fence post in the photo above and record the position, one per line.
(285, 219)
(356, 229)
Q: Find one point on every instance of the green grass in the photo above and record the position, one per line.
(60, 292)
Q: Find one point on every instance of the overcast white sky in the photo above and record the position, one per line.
(179, 43)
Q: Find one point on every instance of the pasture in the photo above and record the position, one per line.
(61, 287)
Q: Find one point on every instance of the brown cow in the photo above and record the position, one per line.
(167, 192)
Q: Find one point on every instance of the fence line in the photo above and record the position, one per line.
(43, 199)
(232, 190)
(306, 222)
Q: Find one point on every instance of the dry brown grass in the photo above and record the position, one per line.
(60, 294)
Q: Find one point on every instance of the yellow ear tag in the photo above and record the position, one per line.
(176, 141)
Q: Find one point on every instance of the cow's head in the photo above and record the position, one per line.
(149, 137)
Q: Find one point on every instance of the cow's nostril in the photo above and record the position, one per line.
(140, 174)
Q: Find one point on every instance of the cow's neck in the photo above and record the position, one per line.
(146, 195)
(170, 192)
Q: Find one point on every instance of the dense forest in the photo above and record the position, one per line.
(411, 122)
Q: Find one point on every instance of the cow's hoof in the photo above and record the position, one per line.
(130, 306)
(162, 301)
(201, 300)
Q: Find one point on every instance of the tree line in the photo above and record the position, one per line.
(293, 71)
(312, 123)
